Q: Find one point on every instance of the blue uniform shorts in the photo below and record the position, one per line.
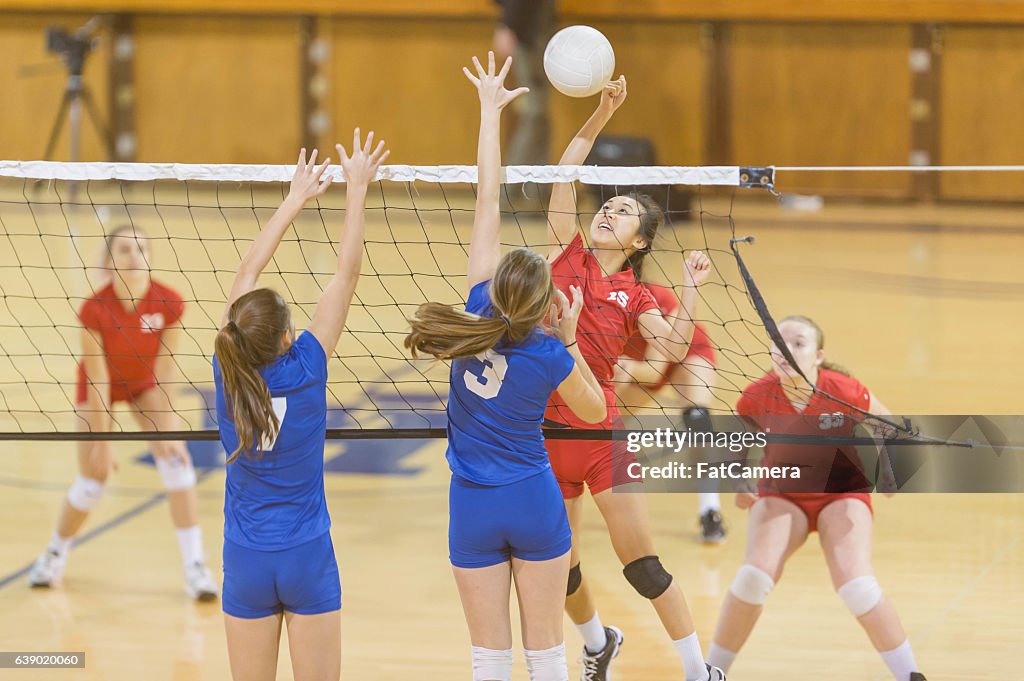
(489, 525)
(303, 579)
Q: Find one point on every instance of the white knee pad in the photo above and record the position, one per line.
(175, 474)
(489, 664)
(85, 493)
(861, 594)
(752, 585)
(547, 665)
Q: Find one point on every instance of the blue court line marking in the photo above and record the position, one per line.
(109, 525)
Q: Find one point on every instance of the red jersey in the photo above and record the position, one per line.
(612, 306)
(824, 467)
(668, 303)
(131, 339)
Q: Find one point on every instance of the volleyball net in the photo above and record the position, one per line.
(198, 221)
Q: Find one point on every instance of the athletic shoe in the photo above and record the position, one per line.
(595, 665)
(917, 676)
(712, 531)
(199, 583)
(48, 569)
(714, 673)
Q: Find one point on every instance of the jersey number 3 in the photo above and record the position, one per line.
(280, 406)
(485, 373)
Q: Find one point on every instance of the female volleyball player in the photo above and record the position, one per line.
(130, 330)
(783, 513)
(506, 519)
(643, 371)
(272, 414)
(616, 304)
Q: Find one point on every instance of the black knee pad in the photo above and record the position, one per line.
(575, 579)
(697, 419)
(647, 576)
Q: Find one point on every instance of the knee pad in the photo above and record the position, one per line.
(861, 594)
(752, 585)
(85, 493)
(175, 474)
(491, 664)
(575, 579)
(647, 576)
(697, 419)
(547, 665)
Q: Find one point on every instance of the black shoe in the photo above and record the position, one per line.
(917, 676)
(712, 531)
(714, 673)
(595, 665)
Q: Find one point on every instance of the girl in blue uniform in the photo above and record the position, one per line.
(272, 414)
(506, 516)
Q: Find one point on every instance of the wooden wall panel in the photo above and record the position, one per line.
(665, 67)
(403, 78)
(982, 99)
(217, 90)
(31, 99)
(823, 95)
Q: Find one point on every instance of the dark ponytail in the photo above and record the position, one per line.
(651, 218)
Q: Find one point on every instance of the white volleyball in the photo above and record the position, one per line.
(579, 61)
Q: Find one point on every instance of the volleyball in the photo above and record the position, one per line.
(579, 60)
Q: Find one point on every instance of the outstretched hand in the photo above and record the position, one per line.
(362, 166)
(491, 85)
(306, 182)
(613, 95)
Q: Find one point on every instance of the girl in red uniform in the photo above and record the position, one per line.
(830, 497)
(616, 305)
(642, 372)
(130, 331)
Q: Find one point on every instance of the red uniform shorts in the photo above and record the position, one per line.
(812, 504)
(601, 464)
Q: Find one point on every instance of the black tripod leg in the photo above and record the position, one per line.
(62, 112)
(97, 121)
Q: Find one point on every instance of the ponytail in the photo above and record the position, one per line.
(449, 333)
(251, 339)
(651, 218)
(520, 292)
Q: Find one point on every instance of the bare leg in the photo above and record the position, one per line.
(253, 646)
(315, 645)
(540, 586)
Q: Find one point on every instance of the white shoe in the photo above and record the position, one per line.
(48, 570)
(199, 583)
(714, 673)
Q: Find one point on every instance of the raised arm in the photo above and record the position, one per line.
(332, 309)
(670, 335)
(305, 185)
(484, 245)
(562, 206)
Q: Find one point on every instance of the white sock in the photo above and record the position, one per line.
(900, 661)
(190, 541)
(720, 657)
(59, 545)
(708, 501)
(594, 638)
(693, 660)
(547, 665)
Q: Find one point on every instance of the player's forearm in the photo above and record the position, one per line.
(646, 370)
(263, 247)
(580, 146)
(488, 160)
(351, 245)
(585, 371)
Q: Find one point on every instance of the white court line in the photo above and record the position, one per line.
(955, 603)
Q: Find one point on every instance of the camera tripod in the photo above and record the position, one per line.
(74, 48)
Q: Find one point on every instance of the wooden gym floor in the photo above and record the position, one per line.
(919, 302)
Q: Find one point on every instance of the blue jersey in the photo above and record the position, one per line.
(277, 501)
(496, 404)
